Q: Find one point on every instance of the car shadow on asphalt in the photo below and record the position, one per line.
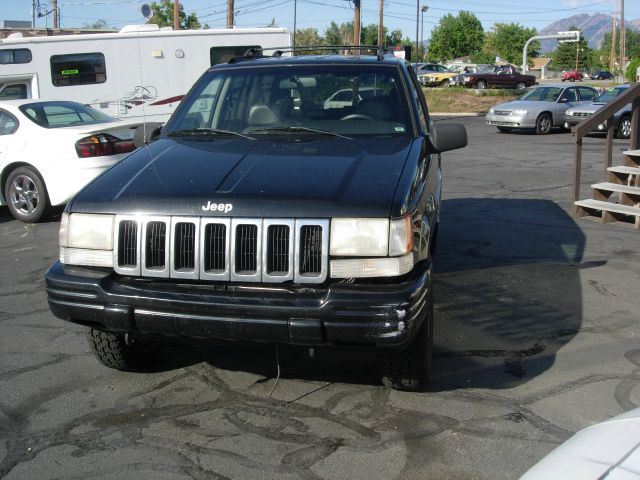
(507, 288)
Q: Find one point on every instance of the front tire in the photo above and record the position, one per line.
(521, 86)
(410, 369)
(624, 128)
(481, 85)
(503, 129)
(118, 351)
(543, 124)
(26, 195)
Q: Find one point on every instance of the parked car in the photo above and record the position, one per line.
(572, 76)
(621, 119)
(500, 76)
(428, 68)
(51, 149)
(602, 75)
(248, 221)
(438, 79)
(607, 450)
(541, 108)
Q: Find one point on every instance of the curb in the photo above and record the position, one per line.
(457, 114)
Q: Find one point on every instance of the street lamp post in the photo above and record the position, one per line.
(423, 10)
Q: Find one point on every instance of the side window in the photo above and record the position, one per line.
(224, 54)
(587, 94)
(78, 69)
(14, 92)
(569, 95)
(417, 98)
(8, 123)
(15, 55)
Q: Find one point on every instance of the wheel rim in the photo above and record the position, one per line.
(625, 127)
(520, 86)
(545, 124)
(24, 195)
(481, 85)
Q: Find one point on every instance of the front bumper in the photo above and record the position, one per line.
(511, 121)
(365, 314)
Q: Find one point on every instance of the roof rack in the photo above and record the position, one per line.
(254, 53)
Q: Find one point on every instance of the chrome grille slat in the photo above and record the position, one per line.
(222, 249)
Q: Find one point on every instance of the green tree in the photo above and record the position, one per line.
(507, 41)
(456, 36)
(163, 16)
(308, 37)
(630, 73)
(97, 25)
(632, 47)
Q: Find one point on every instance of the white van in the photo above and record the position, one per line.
(140, 71)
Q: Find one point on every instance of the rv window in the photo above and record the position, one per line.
(14, 92)
(77, 69)
(8, 123)
(15, 55)
(224, 54)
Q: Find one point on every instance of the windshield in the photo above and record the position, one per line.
(347, 100)
(543, 94)
(63, 114)
(610, 95)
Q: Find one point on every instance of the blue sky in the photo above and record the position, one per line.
(319, 13)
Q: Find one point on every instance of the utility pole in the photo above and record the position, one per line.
(356, 23)
(622, 41)
(380, 26)
(33, 14)
(417, 27)
(230, 8)
(176, 14)
(423, 10)
(612, 59)
(55, 14)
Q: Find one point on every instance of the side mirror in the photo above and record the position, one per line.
(448, 136)
(146, 133)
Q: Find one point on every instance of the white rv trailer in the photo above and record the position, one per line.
(141, 70)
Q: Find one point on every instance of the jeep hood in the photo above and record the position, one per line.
(288, 177)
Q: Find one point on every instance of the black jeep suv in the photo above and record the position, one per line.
(268, 209)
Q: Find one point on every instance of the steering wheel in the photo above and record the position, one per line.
(356, 116)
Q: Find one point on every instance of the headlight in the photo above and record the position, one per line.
(520, 111)
(360, 236)
(390, 241)
(491, 111)
(86, 239)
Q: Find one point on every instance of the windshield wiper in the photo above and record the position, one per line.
(298, 129)
(207, 131)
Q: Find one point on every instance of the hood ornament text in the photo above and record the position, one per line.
(217, 207)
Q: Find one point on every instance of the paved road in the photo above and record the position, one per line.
(536, 337)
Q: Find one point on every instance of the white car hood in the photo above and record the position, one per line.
(607, 451)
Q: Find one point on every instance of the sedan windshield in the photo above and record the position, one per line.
(543, 94)
(293, 101)
(610, 94)
(63, 114)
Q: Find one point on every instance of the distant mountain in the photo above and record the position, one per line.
(593, 28)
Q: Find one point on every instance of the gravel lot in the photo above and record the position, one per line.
(536, 337)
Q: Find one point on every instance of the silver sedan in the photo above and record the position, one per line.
(541, 108)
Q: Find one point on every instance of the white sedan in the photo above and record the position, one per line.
(49, 150)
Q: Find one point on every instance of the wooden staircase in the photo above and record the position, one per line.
(617, 200)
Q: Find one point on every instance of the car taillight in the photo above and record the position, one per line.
(102, 144)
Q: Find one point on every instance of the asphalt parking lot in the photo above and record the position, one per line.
(536, 337)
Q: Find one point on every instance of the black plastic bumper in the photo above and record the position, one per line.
(342, 314)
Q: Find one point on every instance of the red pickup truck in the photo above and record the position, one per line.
(572, 76)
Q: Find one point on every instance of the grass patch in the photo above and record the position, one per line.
(465, 100)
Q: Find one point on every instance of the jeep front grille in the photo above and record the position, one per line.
(222, 249)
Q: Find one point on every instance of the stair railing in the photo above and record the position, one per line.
(605, 114)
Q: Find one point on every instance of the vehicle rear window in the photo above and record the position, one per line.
(15, 55)
(63, 114)
(78, 69)
(352, 100)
